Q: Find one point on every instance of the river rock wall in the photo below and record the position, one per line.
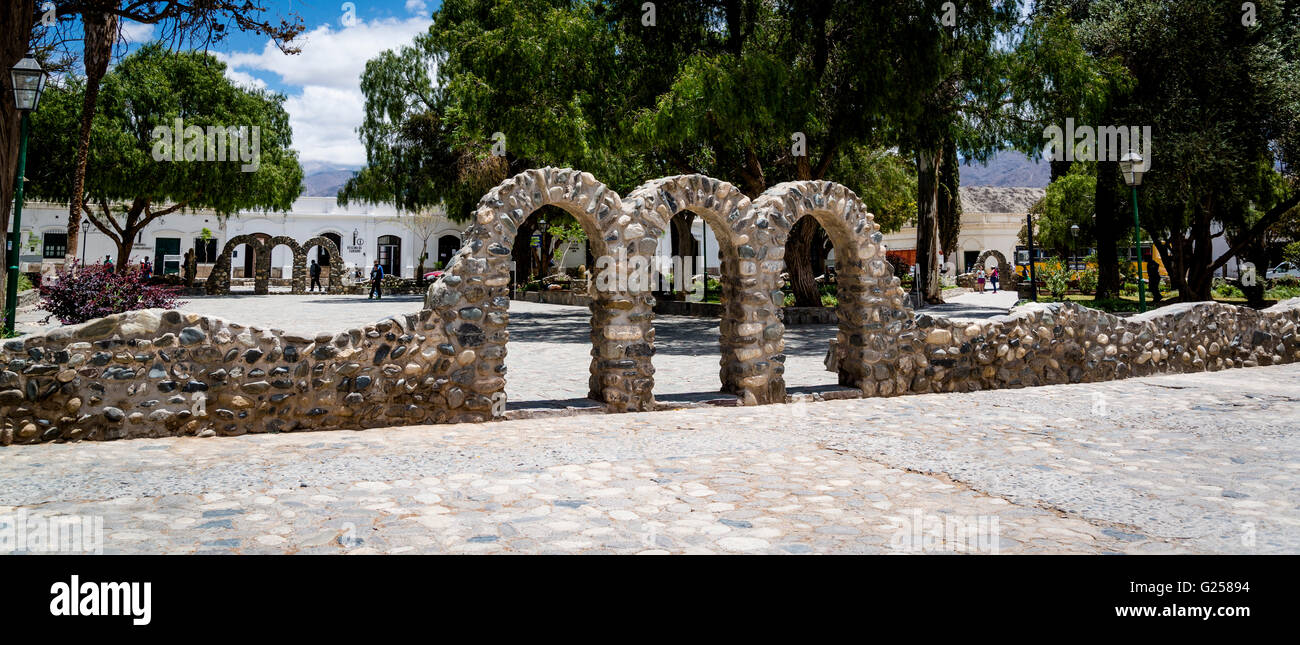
(155, 373)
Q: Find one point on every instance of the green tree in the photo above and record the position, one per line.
(721, 87)
(1057, 75)
(130, 180)
(958, 103)
(1220, 98)
(56, 30)
(1068, 202)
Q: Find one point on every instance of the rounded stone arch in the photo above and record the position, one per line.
(750, 328)
(872, 311)
(472, 297)
(1004, 270)
(218, 281)
(298, 274)
(336, 264)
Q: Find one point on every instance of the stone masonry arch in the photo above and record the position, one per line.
(750, 329)
(472, 298)
(872, 312)
(297, 275)
(1004, 270)
(300, 264)
(218, 281)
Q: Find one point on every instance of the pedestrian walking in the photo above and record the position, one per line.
(108, 262)
(979, 279)
(993, 277)
(376, 280)
(315, 276)
(146, 268)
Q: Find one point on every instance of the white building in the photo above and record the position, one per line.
(991, 218)
(362, 232)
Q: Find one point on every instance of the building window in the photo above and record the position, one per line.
(205, 251)
(56, 246)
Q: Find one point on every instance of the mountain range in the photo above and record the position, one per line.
(1005, 169)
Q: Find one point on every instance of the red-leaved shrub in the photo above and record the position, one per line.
(82, 293)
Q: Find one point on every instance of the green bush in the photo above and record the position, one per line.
(1056, 278)
(24, 283)
(1088, 280)
(1223, 289)
(1283, 292)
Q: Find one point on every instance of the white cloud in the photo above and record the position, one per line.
(135, 32)
(416, 6)
(323, 82)
(245, 79)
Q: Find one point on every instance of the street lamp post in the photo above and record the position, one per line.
(1132, 166)
(28, 81)
(1074, 234)
(1029, 239)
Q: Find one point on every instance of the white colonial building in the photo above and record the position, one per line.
(363, 233)
(991, 219)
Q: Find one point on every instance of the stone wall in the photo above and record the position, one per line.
(1044, 344)
(161, 373)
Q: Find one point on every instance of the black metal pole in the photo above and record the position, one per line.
(1029, 235)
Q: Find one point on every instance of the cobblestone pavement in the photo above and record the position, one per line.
(1187, 463)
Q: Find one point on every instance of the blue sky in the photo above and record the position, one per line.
(321, 84)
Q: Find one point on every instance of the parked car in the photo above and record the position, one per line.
(432, 275)
(1284, 270)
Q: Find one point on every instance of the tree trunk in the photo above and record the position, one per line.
(523, 251)
(798, 261)
(949, 204)
(1257, 253)
(100, 36)
(15, 36)
(927, 229)
(124, 247)
(1110, 226)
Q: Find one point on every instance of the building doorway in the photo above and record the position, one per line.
(447, 247)
(162, 247)
(390, 254)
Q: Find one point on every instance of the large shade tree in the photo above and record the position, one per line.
(67, 30)
(720, 87)
(127, 184)
(1219, 93)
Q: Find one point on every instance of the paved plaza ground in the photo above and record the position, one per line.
(1203, 463)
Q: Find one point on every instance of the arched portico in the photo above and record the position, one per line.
(300, 270)
(472, 297)
(1004, 270)
(872, 312)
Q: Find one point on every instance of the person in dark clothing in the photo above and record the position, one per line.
(993, 277)
(315, 276)
(376, 278)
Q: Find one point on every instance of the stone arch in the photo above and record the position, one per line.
(218, 281)
(751, 332)
(472, 297)
(336, 264)
(872, 312)
(298, 272)
(1004, 270)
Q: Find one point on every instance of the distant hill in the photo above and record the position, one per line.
(1007, 168)
(324, 179)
